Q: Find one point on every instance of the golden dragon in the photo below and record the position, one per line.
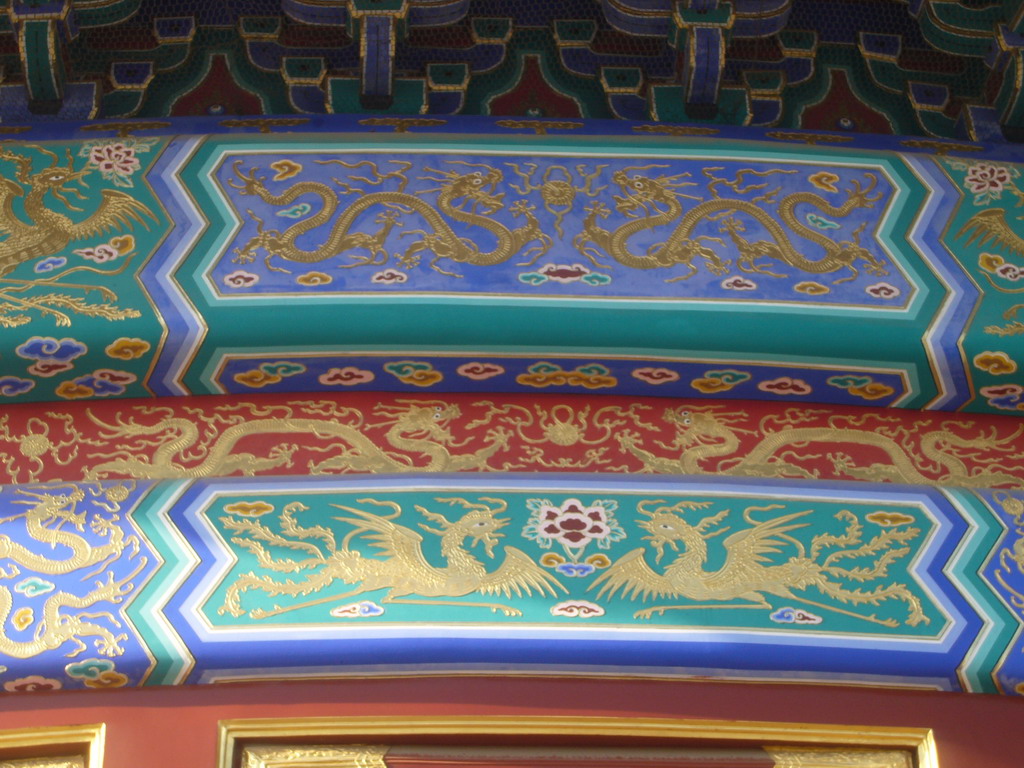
(708, 436)
(473, 188)
(748, 574)
(414, 427)
(402, 569)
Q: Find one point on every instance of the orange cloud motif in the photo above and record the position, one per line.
(825, 180)
(285, 169)
(417, 373)
(314, 278)
(996, 363)
(990, 262)
(123, 244)
(69, 390)
(23, 618)
(811, 288)
(256, 378)
(719, 381)
(248, 508)
(889, 518)
(545, 374)
(107, 679)
(126, 348)
(873, 391)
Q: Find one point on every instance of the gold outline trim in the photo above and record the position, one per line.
(86, 740)
(772, 735)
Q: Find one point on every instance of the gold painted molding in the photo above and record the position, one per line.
(74, 746)
(278, 756)
(790, 744)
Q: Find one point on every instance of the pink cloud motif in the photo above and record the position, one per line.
(480, 371)
(564, 273)
(100, 254)
(360, 610)
(240, 279)
(1010, 272)
(577, 609)
(655, 375)
(31, 684)
(785, 385)
(738, 283)
(348, 376)
(882, 291)
(389, 277)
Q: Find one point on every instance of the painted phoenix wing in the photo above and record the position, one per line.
(519, 574)
(117, 211)
(991, 226)
(747, 551)
(400, 546)
(634, 577)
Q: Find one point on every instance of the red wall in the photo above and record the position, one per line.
(177, 727)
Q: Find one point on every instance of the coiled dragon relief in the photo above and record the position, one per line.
(672, 222)
(63, 617)
(474, 190)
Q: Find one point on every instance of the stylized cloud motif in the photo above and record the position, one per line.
(240, 279)
(389, 277)
(825, 180)
(34, 586)
(820, 222)
(575, 570)
(283, 368)
(23, 618)
(564, 273)
(88, 669)
(719, 381)
(248, 508)
(811, 288)
(101, 254)
(348, 376)
(532, 278)
(51, 355)
(1005, 397)
(882, 290)
(102, 382)
(32, 684)
(738, 283)
(126, 348)
(785, 385)
(296, 211)
(314, 278)
(655, 376)
(49, 264)
(417, 373)
(12, 386)
(889, 518)
(789, 615)
(577, 609)
(480, 371)
(285, 169)
(596, 278)
(545, 374)
(360, 610)
(256, 378)
(996, 363)
(109, 679)
(861, 386)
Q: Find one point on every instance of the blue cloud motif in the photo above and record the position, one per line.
(100, 387)
(88, 669)
(596, 278)
(358, 610)
(12, 386)
(34, 586)
(533, 278)
(821, 222)
(575, 570)
(783, 616)
(49, 264)
(296, 211)
(49, 348)
(1009, 402)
